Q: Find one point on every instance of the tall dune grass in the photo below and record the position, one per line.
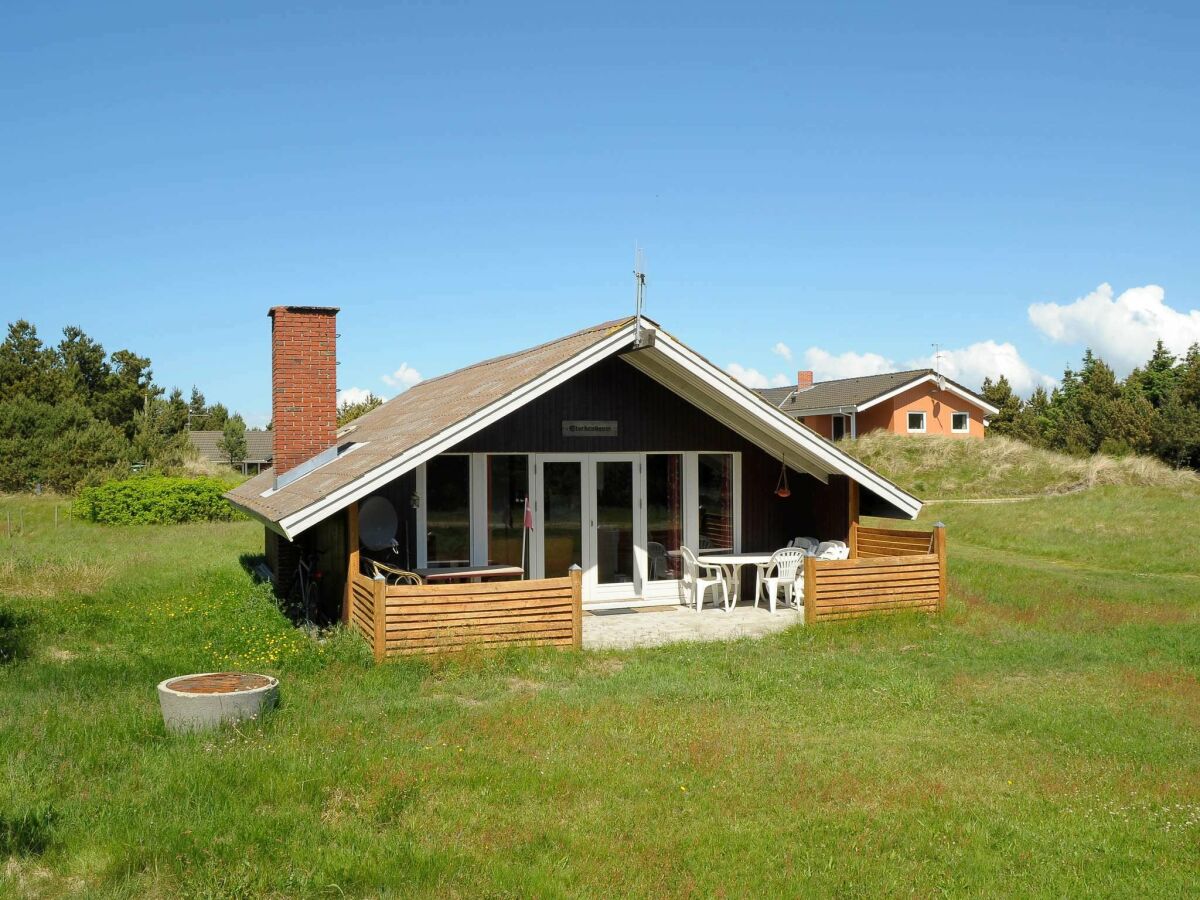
(936, 467)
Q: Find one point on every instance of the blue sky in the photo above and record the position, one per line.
(854, 181)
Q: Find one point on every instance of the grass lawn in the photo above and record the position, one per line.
(1042, 737)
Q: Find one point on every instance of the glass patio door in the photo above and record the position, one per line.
(616, 541)
(559, 516)
(589, 513)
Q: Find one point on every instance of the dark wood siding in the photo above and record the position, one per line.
(648, 415)
(652, 418)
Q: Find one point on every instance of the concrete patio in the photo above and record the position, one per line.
(653, 626)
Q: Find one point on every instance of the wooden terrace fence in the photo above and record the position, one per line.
(399, 620)
(888, 571)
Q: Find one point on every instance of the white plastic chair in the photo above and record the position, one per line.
(657, 555)
(783, 572)
(807, 544)
(833, 550)
(698, 577)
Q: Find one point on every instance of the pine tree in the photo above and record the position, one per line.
(1156, 380)
(28, 368)
(1188, 378)
(347, 412)
(1000, 395)
(1033, 421)
(233, 440)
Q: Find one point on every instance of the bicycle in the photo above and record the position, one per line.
(304, 596)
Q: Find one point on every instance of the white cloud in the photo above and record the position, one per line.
(403, 378)
(1122, 330)
(986, 359)
(352, 395)
(828, 367)
(967, 365)
(752, 378)
(782, 349)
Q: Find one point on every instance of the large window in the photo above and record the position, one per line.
(507, 491)
(715, 472)
(562, 516)
(916, 421)
(664, 514)
(448, 510)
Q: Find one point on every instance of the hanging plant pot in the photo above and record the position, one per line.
(781, 488)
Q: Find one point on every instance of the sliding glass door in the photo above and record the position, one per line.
(615, 542)
(586, 514)
(623, 518)
(559, 521)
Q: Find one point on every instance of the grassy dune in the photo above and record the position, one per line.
(1042, 737)
(936, 467)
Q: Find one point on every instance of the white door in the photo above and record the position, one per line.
(616, 538)
(559, 515)
(588, 511)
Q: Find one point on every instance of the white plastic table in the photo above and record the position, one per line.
(732, 564)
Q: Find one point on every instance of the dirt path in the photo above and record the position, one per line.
(1074, 489)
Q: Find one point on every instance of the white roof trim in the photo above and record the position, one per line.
(908, 385)
(814, 446)
(744, 411)
(679, 383)
(293, 524)
(844, 409)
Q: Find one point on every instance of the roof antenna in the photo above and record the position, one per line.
(937, 366)
(639, 277)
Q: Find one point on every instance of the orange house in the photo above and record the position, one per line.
(916, 402)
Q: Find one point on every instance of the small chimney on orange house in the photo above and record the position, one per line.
(804, 380)
(303, 383)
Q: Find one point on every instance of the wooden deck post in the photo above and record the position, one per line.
(576, 575)
(853, 502)
(853, 540)
(939, 547)
(810, 589)
(352, 559)
(379, 637)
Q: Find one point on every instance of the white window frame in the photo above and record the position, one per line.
(476, 487)
(480, 555)
(924, 422)
(661, 591)
(691, 471)
(670, 590)
(967, 428)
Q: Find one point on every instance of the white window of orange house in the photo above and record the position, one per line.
(916, 422)
(960, 422)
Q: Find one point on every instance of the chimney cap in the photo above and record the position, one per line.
(315, 310)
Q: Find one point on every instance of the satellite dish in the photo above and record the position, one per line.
(377, 523)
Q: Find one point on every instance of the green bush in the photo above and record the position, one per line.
(155, 500)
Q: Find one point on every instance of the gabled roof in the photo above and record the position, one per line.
(437, 414)
(208, 443)
(861, 393)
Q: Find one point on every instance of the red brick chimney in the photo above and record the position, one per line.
(803, 380)
(303, 382)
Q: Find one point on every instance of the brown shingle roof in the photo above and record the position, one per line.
(846, 392)
(420, 413)
(258, 445)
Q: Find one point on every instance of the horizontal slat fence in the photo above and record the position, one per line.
(362, 606)
(907, 572)
(868, 542)
(426, 618)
